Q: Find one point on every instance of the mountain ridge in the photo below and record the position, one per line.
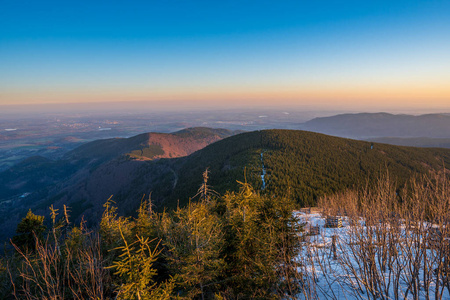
(374, 125)
(308, 164)
(64, 181)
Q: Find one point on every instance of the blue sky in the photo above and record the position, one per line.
(330, 53)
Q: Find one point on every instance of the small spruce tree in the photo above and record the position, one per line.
(30, 230)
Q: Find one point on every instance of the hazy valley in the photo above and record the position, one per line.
(83, 176)
(53, 134)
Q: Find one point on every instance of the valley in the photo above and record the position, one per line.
(303, 165)
(52, 134)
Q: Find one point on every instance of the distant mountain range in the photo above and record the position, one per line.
(414, 142)
(299, 164)
(377, 125)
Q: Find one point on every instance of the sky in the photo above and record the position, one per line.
(361, 55)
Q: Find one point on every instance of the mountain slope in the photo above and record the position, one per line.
(150, 145)
(37, 172)
(89, 174)
(304, 165)
(298, 164)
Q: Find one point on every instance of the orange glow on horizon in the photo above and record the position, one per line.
(327, 95)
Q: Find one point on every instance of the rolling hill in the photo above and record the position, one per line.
(298, 164)
(94, 171)
(303, 165)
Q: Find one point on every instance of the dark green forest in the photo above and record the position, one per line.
(307, 165)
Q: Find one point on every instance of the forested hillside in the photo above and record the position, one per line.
(222, 232)
(304, 164)
(84, 177)
(299, 164)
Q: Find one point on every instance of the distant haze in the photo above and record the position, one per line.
(376, 125)
(309, 111)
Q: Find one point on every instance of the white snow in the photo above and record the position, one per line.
(263, 172)
(342, 278)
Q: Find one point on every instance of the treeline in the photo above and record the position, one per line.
(237, 246)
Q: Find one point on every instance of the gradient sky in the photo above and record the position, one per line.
(327, 54)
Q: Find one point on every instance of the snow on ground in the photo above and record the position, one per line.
(342, 278)
(263, 173)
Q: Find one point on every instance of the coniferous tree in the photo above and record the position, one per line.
(194, 238)
(29, 230)
(135, 267)
(260, 242)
